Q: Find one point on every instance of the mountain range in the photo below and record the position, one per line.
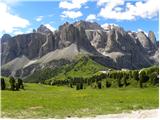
(111, 46)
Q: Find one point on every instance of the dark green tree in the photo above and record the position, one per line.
(108, 84)
(17, 86)
(12, 82)
(99, 84)
(142, 78)
(135, 75)
(78, 86)
(154, 78)
(20, 83)
(81, 85)
(3, 85)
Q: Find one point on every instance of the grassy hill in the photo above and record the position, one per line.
(81, 67)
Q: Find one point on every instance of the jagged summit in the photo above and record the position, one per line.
(88, 25)
(43, 29)
(113, 47)
(5, 38)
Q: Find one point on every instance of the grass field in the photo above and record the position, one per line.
(43, 101)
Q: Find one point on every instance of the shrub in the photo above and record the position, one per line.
(3, 85)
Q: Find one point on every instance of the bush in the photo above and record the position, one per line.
(3, 85)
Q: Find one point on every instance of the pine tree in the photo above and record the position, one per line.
(12, 82)
(3, 85)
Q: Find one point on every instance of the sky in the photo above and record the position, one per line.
(22, 16)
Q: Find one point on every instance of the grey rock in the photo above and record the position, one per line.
(152, 38)
(5, 38)
(43, 29)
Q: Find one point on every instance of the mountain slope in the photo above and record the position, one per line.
(81, 67)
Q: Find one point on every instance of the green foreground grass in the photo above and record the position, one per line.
(43, 101)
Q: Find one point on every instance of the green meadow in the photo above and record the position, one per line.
(44, 101)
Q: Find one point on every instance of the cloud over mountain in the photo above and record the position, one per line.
(10, 22)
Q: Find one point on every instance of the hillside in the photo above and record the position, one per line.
(82, 67)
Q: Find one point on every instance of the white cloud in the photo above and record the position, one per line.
(91, 17)
(17, 32)
(50, 27)
(86, 7)
(10, 22)
(117, 9)
(105, 25)
(39, 18)
(29, 30)
(11, 2)
(72, 4)
(139, 30)
(71, 14)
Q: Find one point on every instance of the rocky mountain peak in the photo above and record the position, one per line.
(152, 37)
(87, 25)
(5, 38)
(143, 39)
(43, 29)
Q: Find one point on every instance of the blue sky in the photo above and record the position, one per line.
(22, 16)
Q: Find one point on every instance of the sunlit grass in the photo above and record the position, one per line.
(43, 101)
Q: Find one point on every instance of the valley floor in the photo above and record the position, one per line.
(43, 101)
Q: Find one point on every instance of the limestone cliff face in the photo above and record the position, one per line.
(127, 49)
(27, 45)
(152, 38)
(112, 47)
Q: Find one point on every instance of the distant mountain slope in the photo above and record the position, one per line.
(111, 46)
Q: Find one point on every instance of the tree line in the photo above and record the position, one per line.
(114, 78)
(15, 84)
(122, 79)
